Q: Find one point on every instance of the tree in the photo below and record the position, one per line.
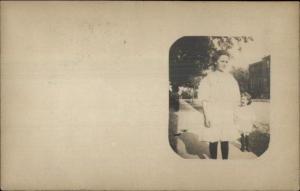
(226, 42)
(242, 76)
(187, 57)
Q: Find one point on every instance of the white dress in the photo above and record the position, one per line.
(245, 119)
(221, 92)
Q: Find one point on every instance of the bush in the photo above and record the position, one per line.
(259, 142)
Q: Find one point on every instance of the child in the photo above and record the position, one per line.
(245, 119)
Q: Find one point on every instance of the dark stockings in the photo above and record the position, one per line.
(213, 149)
(244, 142)
(224, 149)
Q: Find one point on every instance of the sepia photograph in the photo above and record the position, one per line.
(219, 97)
(85, 106)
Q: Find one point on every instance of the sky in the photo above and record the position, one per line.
(251, 52)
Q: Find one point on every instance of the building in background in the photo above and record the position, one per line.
(259, 79)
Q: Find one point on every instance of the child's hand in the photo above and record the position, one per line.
(207, 123)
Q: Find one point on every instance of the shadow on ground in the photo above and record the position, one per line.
(173, 123)
(193, 145)
(191, 141)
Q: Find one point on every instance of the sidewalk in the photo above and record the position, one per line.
(189, 144)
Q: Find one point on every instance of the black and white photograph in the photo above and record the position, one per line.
(219, 97)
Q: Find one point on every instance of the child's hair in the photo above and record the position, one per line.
(218, 54)
(248, 96)
(215, 57)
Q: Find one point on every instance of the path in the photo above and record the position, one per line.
(189, 144)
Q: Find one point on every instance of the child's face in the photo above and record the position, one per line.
(244, 100)
(223, 63)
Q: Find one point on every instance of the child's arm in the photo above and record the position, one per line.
(206, 114)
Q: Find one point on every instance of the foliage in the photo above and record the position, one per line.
(226, 42)
(188, 56)
(259, 142)
(242, 76)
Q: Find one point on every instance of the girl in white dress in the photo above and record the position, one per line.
(245, 120)
(219, 96)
